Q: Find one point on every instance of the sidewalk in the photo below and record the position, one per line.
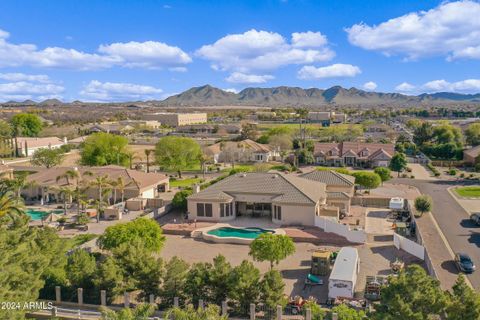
(439, 254)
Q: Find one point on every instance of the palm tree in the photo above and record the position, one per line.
(121, 185)
(69, 174)
(66, 194)
(203, 158)
(101, 183)
(9, 205)
(147, 154)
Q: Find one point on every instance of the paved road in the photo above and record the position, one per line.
(453, 220)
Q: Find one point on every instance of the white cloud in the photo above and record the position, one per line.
(308, 39)
(25, 77)
(337, 70)
(263, 50)
(405, 87)
(464, 86)
(23, 90)
(238, 77)
(114, 91)
(370, 86)
(149, 54)
(178, 69)
(451, 29)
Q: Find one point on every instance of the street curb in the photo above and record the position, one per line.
(449, 189)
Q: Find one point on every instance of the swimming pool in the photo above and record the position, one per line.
(36, 215)
(244, 233)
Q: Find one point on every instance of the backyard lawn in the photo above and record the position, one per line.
(468, 192)
(184, 182)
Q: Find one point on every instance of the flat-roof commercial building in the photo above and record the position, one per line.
(177, 119)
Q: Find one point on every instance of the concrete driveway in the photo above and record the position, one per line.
(420, 172)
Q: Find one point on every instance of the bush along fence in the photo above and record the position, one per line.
(251, 311)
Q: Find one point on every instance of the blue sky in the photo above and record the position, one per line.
(148, 49)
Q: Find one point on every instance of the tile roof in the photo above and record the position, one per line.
(354, 148)
(283, 188)
(35, 142)
(338, 195)
(473, 152)
(330, 177)
(138, 180)
(247, 144)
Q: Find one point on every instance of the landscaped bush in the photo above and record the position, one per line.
(433, 169)
(452, 172)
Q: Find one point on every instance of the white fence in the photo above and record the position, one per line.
(329, 225)
(409, 246)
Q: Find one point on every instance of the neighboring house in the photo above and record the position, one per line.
(210, 129)
(340, 187)
(355, 154)
(77, 141)
(241, 151)
(470, 155)
(285, 199)
(177, 119)
(43, 184)
(113, 128)
(326, 117)
(27, 146)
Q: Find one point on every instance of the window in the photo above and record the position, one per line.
(222, 210)
(208, 209)
(277, 212)
(200, 209)
(231, 208)
(228, 209)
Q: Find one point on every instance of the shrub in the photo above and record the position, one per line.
(179, 200)
(423, 204)
(452, 172)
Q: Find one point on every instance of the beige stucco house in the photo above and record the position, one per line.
(43, 185)
(241, 151)
(340, 187)
(284, 198)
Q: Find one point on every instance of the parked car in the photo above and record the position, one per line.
(475, 218)
(464, 263)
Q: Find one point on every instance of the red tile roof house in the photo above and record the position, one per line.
(353, 154)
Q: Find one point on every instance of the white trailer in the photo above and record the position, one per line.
(344, 273)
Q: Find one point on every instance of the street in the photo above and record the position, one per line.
(461, 234)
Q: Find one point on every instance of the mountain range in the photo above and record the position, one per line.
(295, 96)
(285, 96)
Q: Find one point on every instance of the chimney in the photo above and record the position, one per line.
(196, 188)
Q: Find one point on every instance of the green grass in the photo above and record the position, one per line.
(468, 192)
(78, 240)
(184, 182)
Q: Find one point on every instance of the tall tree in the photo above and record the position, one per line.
(147, 231)
(272, 287)
(472, 134)
(271, 248)
(464, 301)
(147, 155)
(109, 277)
(101, 149)
(177, 153)
(26, 124)
(46, 157)
(245, 287)
(398, 162)
(101, 183)
(174, 280)
(220, 279)
(411, 295)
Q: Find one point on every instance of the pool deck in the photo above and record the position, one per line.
(202, 233)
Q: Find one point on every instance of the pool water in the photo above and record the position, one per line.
(246, 233)
(36, 215)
